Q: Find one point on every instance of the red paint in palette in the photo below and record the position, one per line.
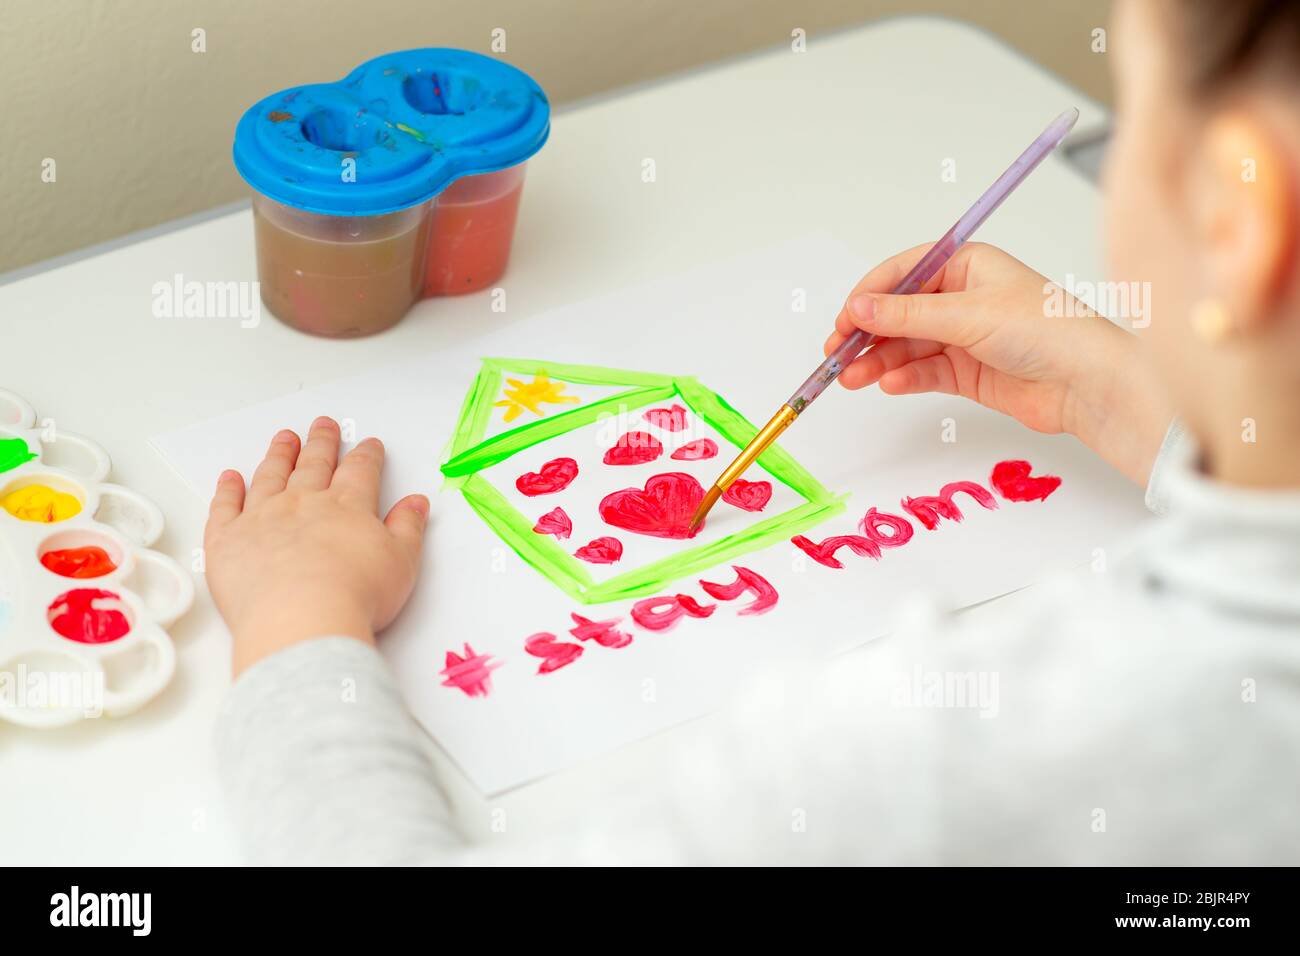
(86, 562)
(469, 672)
(81, 615)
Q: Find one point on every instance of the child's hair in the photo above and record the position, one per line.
(1230, 40)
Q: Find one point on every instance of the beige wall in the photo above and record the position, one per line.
(140, 127)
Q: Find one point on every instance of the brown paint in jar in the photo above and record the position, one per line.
(340, 276)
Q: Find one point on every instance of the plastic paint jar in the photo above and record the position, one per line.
(473, 228)
(402, 179)
(340, 276)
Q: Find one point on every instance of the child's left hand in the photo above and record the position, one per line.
(303, 554)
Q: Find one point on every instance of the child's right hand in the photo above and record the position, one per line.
(981, 330)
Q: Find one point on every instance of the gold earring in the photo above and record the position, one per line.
(1211, 320)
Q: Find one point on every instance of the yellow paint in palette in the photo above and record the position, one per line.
(40, 503)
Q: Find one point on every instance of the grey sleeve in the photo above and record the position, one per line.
(319, 757)
(322, 764)
(1177, 444)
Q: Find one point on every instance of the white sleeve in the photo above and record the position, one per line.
(1172, 449)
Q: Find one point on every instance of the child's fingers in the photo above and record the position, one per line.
(884, 357)
(407, 520)
(947, 317)
(889, 273)
(357, 478)
(952, 276)
(274, 471)
(319, 456)
(227, 500)
(883, 278)
(933, 374)
(844, 327)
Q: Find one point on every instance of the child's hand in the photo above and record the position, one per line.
(983, 332)
(304, 554)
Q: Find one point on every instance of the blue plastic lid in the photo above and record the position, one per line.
(411, 122)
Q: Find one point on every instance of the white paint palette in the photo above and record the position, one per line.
(84, 603)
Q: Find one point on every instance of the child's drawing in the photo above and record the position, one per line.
(592, 475)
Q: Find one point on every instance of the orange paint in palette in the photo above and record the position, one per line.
(40, 503)
(87, 562)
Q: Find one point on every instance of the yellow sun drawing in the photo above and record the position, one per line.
(532, 395)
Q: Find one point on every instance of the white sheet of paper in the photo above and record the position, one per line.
(733, 325)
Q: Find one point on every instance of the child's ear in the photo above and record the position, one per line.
(1244, 212)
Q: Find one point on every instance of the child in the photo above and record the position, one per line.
(1149, 714)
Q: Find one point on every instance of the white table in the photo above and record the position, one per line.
(746, 154)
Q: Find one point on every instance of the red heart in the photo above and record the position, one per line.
(601, 551)
(669, 419)
(662, 510)
(554, 476)
(554, 522)
(1011, 479)
(748, 495)
(697, 450)
(634, 448)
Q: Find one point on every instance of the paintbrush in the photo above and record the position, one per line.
(914, 281)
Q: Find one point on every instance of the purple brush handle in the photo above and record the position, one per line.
(939, 254)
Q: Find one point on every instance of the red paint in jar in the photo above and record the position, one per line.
(473, 225)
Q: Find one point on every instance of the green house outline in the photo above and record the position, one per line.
(470, 453)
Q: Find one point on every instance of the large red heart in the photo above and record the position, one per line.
(697, 450)
(634, 448)
(601, 551)
(554, 476)
(1011, 479)
(663, 509)
(669, 419)
(748, 495)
